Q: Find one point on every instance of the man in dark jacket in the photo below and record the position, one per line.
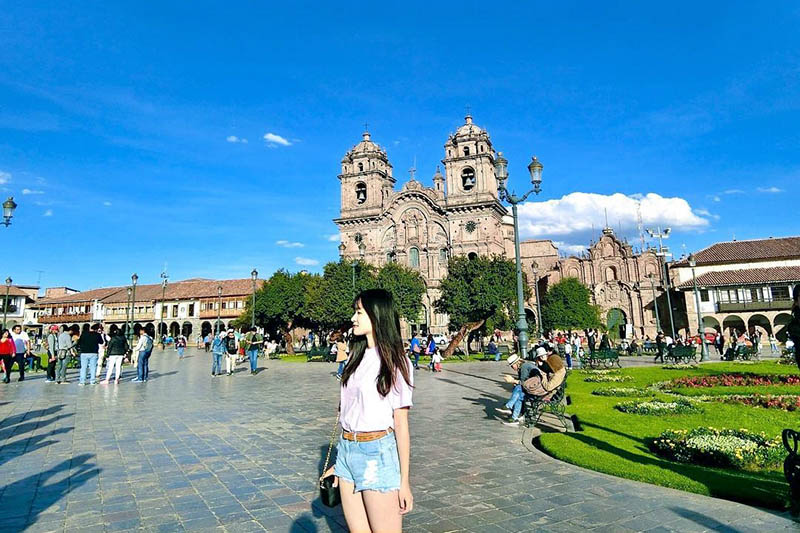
(89, 346)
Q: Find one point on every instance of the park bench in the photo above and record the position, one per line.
(649, 348)
(744, 353)
(502, 349)
(681, 354)
(791, 467)
(318, 353)
(600, 358)
(555, 404)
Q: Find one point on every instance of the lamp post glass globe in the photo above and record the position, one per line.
(8, 210)
(501, 170)
(535, 169)
(362, 248)
(8, 282)
(254, 274)
(134, 278)
(342, 248)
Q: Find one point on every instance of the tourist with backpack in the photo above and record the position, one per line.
(217, 353)
(51, 345)
(231, 349)
(144, 347)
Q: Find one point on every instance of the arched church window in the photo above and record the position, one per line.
(466, 150)
(449, 153)
(361, 167)
(472, 256)
(443, 255)
(481, 148)
(361, 192)
(413, 257)
(467, 179)
(611, 274)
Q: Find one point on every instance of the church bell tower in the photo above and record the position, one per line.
(469, 166)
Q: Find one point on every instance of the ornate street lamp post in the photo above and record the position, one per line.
(700, 327)
(134, 280)
(535, 266)
(254, 275)
(219, 307)
(5, 306)
(8, 210)
(128, 333)
(161, 318)
(501, 173)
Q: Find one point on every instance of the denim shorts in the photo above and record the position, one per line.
(372, 465)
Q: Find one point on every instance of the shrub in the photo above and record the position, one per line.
(607, 379)
(726, 448)
(658, 408)
(736, 380)
(618, 391)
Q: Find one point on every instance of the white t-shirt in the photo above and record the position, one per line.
(19, 340)
(362, 407)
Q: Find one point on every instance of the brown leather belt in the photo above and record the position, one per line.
(366, 436)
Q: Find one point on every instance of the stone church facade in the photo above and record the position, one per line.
(422, 227)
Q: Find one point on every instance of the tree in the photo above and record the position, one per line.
(477, 290)
(330, 302)
(566, 305)
(406, 286)
(282, 304)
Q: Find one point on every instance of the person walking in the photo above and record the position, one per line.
(89, 346)
(342, 351)
(773, 344)
(231, 350)
(101, 354)
(51, 344)
(144, 347)
(218, 352)
(180, 345)
(660, 345)
(207, 342)
(372, 463)
(591, 340)
(65, 346)
(8, 353)
(116, 349)
(253, 343)
(430, 349)
(22, 344)
(416, 349)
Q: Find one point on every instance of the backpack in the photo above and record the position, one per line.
(148, 344)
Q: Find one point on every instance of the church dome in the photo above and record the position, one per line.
(366, 146)
(469, 128)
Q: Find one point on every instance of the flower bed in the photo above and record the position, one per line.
(607, 379)
(621, 391)
(604, 372)
(658, 408)
(727, 448)
(679, 366)
(786, 402)
(736, 380)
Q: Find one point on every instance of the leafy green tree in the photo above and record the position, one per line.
(567, 305)
(330, 302)
(407, 288)
(282, 304)
(476, 291)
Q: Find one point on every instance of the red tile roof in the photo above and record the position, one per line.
(84, 296)
(748, 276)
(743, 251)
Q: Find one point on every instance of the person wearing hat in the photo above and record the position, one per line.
(524, 369)
(51, 342)
(549, 375)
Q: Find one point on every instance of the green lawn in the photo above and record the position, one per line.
(615, 442)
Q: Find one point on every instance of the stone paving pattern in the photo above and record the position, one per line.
(187, 452)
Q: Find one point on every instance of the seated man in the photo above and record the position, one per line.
(492, 350)
(548, 378)
(524, 371)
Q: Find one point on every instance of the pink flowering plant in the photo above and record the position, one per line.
(736, 380)
(725, 448)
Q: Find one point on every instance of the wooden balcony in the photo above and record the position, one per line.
(122, 317)
(65, 318)
(224, 313)
(774, 305)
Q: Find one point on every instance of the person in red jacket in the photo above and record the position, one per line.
(8, 352)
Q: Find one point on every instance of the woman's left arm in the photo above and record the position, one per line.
(404, 453)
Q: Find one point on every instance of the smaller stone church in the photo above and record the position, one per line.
(461, 214)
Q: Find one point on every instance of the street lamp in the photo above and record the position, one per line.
(5, 307)
(128, 334)
(161, 318)
(662, 253)
(535, 266)
(501, 173)
(219, 306)
(134, 280)
(254, 275)
(8, 210)
(652, 279)
(700, 328)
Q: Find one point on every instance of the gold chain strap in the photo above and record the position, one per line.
(330, 446)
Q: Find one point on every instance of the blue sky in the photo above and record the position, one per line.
(121, 124)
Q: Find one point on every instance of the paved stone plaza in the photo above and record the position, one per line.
(242, 453)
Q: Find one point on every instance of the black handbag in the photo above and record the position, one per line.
(327, 492)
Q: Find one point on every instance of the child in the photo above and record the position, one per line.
(436, 360)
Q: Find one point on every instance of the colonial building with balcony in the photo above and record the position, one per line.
(742, 285)
(15, 306)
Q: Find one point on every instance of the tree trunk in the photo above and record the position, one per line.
(465, 329)
(287, 336)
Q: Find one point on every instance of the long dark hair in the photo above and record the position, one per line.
(379, 306)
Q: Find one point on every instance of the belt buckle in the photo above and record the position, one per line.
(355, 436)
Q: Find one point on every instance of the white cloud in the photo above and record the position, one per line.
(107, 203)
(31, 191)
(48, 213)
(578, 217)
(715, 198)
(288, 244)
(705, 213)
(733, 191)
(769, 189)
(235, 139)
(5, 177)
(274, 140)
(333, 237)
(305, 261)
(571, 249)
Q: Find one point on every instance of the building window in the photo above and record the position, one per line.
(361, 192)
(467, 179)
(780, 293)
(443, 255)
(611, 274)
(703, 295)
(472, 256)
(390, 257)
(174, 311)
(191, 309)
(361, 167)
(413, 258)
(466, 150)
(481, 148)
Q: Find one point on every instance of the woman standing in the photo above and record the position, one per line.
(180, 345)
(8, 351)
(116, 350)
(372, 463)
